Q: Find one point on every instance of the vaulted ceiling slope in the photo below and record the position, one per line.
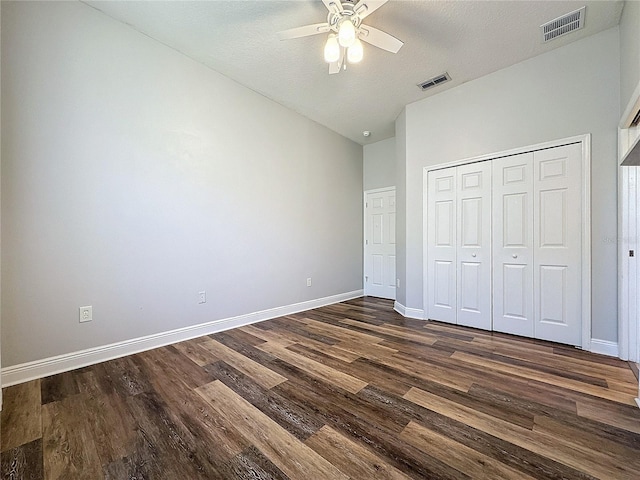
(467, 39)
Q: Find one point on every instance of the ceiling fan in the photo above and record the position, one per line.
(345, 28)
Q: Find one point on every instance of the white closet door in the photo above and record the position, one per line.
(473, 254)
(441, 241)
(380, 244)
(513, 245)
(558, 243)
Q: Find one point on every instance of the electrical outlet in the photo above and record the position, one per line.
(86, 314)
(309, 282)
(202, 297)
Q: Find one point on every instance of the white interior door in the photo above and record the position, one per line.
(473, 256)
(380, 244)
(441, 245)
(513, 245)
(558, 244)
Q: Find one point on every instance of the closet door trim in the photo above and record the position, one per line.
(585, 141)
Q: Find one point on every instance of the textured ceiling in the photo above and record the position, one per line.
(467, 39)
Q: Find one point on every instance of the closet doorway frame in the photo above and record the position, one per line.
(585, 141)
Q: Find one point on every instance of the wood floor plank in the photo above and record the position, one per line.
(545, 362)
(297, 419)
(339, 333)
(616, 451)
(493, 340)
(191, 410)
(569, 363)
(194, 351)
(68, 448)
(295, 325)
(514, 456)
(286, 338)
(340, 351)
(260, 374)
(284, 450)
(251, 464)
(23, 462)
(367, 428)
(534, 362)
(108, 419)
(451, 378)
(538, 392)
(394, 332)
(349, 383)
(531, 373)
(511, 404)
(350, 457)
(461, 457)
(563, 451)
(372, 351)
(125, 375)
(269, 335)
(58, 387)
(623, 418)
(21, 415)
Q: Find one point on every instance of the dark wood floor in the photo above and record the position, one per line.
(352, 390)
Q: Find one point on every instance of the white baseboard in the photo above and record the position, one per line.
(604, 347)
(416, 313)
(62, 363)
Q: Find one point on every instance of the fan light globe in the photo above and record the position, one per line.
(331, 49)
(346, 33)
(355, 52)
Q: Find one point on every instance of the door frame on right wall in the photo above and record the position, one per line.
(585, 141)
(628, 236)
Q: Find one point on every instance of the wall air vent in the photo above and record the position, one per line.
(432, 82)
(562, 25)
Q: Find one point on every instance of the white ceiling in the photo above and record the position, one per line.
(467, 39)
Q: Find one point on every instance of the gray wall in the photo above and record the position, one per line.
(380, 164)
(134, 177)
(629, 51)
(569, 91)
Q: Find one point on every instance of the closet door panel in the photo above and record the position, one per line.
(513, 245)
(441, 245)
(473, 253)
(558, 243)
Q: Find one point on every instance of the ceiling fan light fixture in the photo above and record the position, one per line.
(331, 49)
(345, 29)
(346, 33)
(355, 52)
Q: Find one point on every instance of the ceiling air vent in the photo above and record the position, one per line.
(562, 25)
(432, 82)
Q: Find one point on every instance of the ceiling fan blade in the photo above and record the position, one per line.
(335, 67)
(303, 31)
(380, 39)
(365, 8)
(334, 6)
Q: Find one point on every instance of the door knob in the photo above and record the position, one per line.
(473, 255)
(514, 255)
